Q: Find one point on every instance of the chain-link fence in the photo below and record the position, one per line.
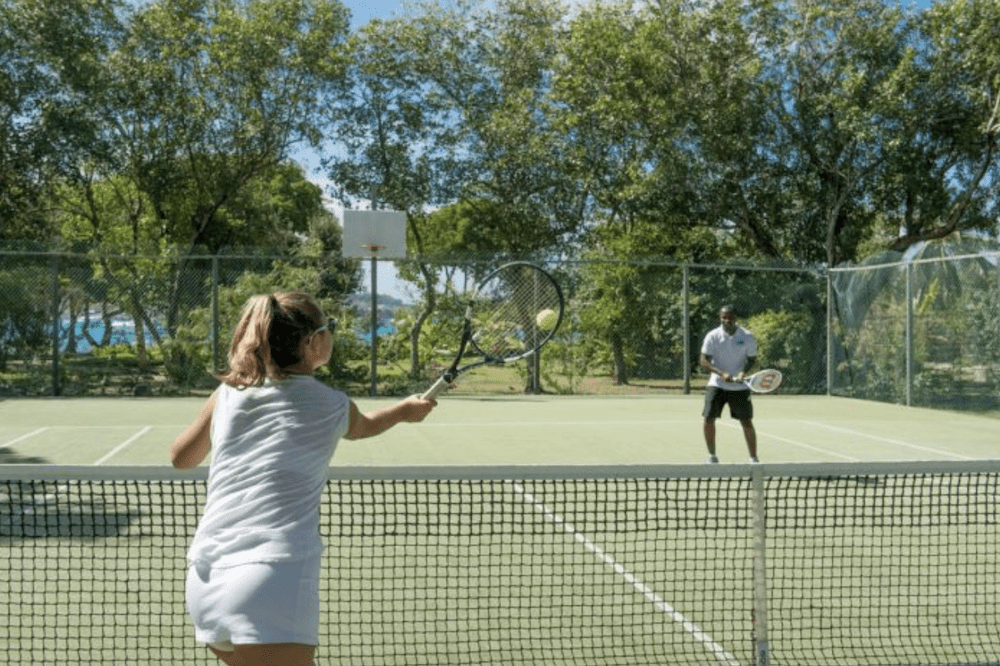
(920, 333)
(923, 332)
(80, 324)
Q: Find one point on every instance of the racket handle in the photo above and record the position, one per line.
(440, 385)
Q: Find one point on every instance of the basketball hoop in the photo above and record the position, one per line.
(374, 235)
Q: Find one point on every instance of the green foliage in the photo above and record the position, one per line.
(188, 354)
(795, 131)
(51, 57)
(799, 131)
(480, 227)
(784, 341)
(24, 317)
(953, 287)
(568, 359)
(631, 304)
(439, 335)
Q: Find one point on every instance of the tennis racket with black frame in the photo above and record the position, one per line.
(512, 313)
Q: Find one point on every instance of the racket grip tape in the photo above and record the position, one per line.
(440, 385)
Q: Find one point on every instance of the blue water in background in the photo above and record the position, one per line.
(122, 333)
(385, 329)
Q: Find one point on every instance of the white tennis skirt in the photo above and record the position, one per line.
(255, 604)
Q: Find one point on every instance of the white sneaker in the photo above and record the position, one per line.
(754, 459)
(713, 459)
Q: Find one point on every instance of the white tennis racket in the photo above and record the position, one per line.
(764, 381)
(514, 311)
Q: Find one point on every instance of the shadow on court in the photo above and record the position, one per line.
(36, 518)
(11, 457)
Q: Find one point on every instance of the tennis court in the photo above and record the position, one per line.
(527, 430)
(536, 531)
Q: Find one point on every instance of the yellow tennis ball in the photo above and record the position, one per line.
(546, 320)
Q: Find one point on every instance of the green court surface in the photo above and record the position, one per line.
(528, 430)
(598, 566)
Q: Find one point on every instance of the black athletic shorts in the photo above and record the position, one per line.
(740, 406)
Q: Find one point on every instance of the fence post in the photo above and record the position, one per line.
(373, 390)
(215, 313)
(56, 383)
(829, 332)
(687, 329)
(909, 333)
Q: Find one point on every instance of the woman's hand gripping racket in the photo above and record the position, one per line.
(514, 311)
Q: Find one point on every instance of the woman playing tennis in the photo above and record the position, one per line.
(253, 566)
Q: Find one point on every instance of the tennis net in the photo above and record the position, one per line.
(892, 563)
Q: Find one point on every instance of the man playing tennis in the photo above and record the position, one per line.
(728, 353)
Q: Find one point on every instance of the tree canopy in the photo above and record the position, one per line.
(814, 133)
(783, 130)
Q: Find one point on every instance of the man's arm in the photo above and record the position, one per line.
(706, 362)
(747, 367)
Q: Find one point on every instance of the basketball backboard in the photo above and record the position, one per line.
(378, 232)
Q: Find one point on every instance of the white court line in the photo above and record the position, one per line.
(103, 427)
(123, 445)
(14, 441)
(889, 440)
(485, 424)
(61, 488)
(720, 653)
(101, 460)
(801, 445)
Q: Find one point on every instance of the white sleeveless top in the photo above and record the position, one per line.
(271, 447)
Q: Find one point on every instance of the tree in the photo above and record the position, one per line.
(830, 77)
(50, 64)
(112, 221)
(945, 156)
(885, 123)
(625, 96)
(393, 149)
(209, 95)
(198, 106)
(446, 109)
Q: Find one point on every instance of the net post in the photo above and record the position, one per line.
(758, 505)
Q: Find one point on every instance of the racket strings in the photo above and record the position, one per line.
(505, 312)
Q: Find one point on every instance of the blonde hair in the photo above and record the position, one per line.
(269, 335)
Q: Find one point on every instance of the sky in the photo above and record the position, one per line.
(363, 11)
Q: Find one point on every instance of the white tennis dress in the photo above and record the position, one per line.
(254, 561)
